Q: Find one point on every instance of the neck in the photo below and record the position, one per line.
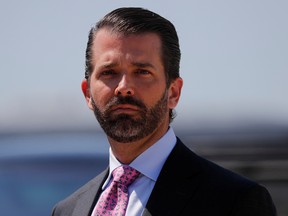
(127, 152)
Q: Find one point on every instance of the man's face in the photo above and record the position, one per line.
(127, 89)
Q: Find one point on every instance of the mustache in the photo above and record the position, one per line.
(117, 100)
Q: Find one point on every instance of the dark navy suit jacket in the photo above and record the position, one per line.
(187, 185)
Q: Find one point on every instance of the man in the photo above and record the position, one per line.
(132, 84)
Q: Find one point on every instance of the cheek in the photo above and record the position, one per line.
(153, 97)
(101, 95)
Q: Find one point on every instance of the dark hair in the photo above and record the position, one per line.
(129, 21)
(136, 21)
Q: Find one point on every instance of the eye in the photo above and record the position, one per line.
(107, 73)
(143, 72)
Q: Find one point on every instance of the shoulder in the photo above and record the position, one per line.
(219, 186)
(199, 166)
(209, 172)
(86, 193)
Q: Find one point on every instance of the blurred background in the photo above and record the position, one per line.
(233, 109)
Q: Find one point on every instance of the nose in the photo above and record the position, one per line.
(125, 87)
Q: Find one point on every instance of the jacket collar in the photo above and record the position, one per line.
(87, 200)
(171, 194)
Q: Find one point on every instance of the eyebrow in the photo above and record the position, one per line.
(108, 65)
(143, 64)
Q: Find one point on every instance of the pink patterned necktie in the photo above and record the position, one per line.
(114, 199)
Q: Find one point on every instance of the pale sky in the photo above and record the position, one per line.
(234, 61)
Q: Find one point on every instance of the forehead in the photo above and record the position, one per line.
(106, 38)
(146, 44)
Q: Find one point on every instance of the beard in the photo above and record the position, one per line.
(126, 128)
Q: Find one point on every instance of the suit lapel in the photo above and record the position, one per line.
(87, 199)
(169, 195)
(174, 186)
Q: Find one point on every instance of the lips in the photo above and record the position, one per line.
(124, 109)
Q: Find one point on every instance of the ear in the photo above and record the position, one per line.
(86, 91)
(174, 92)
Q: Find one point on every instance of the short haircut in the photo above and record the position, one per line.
(132, 20)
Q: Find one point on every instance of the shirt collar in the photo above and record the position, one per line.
(151, 161)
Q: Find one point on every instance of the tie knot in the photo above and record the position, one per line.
(125, 175)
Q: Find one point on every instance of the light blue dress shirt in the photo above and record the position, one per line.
(149, 164)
